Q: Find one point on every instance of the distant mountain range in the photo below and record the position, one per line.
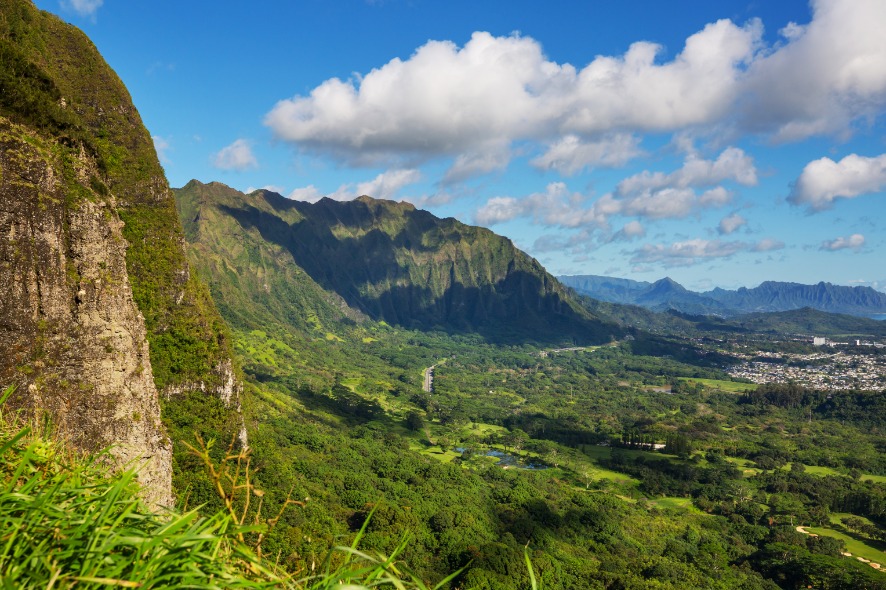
(771, 296)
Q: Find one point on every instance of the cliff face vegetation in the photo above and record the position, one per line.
(73, 339)
(99, 309)
(379, 259)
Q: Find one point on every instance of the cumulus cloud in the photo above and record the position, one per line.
(487, 158)
(823, 181)
(656, 195)
(828, 74)
(268, 187)
(473, 102)
(310, 194)
(83, 7)
(731, 224)
(631, 230)
(853, 242)
(430, 199)
(449, 100)
(500, 210)
(689, 252)
(572, 154)
(646, 195)
(384, 186)
(686, 253)
(556, 206)
(238, 156)
(732, 164)
(387, 184)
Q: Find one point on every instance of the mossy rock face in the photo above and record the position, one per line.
(73, 340)
(98, 307)
(54, 81)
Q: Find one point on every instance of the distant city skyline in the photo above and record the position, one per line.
(719, 143)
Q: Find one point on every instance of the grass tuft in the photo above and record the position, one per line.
(67, 521)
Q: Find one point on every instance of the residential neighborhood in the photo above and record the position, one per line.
(828, 369)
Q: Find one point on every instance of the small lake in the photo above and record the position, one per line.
(509, 460)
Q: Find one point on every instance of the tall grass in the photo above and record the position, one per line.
(68, 521)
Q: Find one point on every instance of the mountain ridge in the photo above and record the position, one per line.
(769, 296)
(392, 262)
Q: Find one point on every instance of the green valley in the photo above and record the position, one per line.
(215, 389)
(652, 427)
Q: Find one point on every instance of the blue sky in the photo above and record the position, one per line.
(720, 143)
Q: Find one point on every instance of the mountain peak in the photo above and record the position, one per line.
(667, 284)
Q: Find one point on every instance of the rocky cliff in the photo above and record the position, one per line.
(98, 307)
(73, 341)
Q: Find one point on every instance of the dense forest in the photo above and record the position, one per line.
(365, 395)
(615, 468)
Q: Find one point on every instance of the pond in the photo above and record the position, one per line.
(508, 460)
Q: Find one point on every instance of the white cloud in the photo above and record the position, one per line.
(767, 245)
(732, 164)
(853, 242)
(82, 7)
(162, 146)
(488, 158)
(792, 31)
(387, 184)
(384, 186)
(268, 187)
(646, 195)
(635, 92)
(731, 224)
(656, 195)
(631, 230)
(446, 100)
(430, 200)
(500, 210)
(829, 73)
(556, 206)
(571, 154)
(237, 156)
(689, 252)
(823, 181)
(310, 194)
(474, 102)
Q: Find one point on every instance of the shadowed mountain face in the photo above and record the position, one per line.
(385, 260)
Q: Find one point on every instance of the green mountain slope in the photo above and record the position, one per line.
(255, 281)
(811, 322)
(383, 260)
